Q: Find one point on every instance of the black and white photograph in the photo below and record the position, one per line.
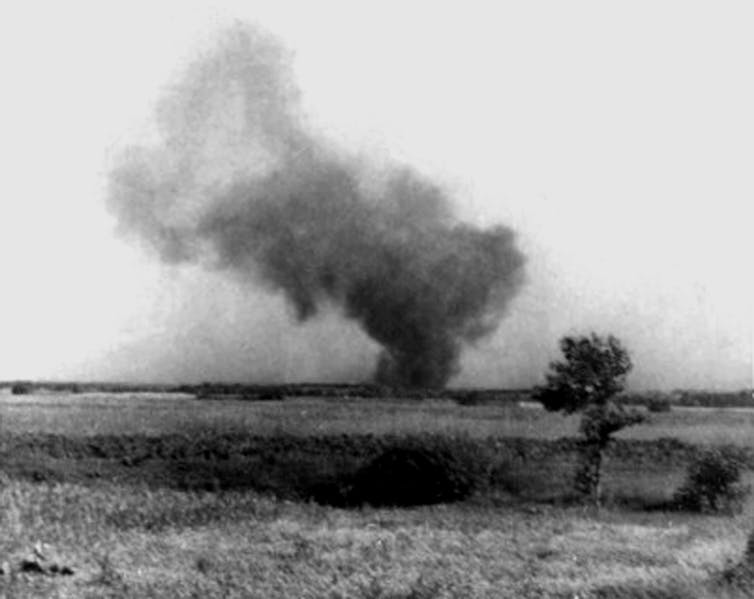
(377, 300)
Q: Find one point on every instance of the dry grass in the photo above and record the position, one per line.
(133, 542)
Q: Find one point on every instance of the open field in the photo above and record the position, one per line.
(153, 495)
(160, 414)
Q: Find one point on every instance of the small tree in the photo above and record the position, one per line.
(593, 372)
(713, 482)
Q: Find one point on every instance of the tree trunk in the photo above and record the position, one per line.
(589, 473)
(597, 477)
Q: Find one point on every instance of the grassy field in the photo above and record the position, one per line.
(122, 514)
(159, 414)
(135, 542)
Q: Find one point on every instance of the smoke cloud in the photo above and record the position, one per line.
(237, 182)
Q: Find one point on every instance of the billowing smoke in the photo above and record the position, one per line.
(237, 182)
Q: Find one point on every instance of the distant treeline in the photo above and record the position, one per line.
(705, 399)
(274, 392)
(27, 387)
(366, 391)
(658, 401)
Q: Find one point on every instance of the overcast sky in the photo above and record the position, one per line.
(616, 139)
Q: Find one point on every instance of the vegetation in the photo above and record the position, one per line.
(713, 482)
(741, 575)
(323, 468)
(743, 398)
(423, 471)
(658, 405)
(131, 541)
(165, 414)
(152, 496)
(262, 392)
(21, 388)
(593, 371)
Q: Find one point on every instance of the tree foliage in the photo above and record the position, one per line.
(593, 371)
(713, 482)
(422, 471)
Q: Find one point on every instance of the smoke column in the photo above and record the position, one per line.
(236, 182)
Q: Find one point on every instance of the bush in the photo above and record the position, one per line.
(713, 482)
(741, 575)
(422, 471)
(658, 404)
(21, 388)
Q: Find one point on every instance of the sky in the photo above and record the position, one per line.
(616, 139)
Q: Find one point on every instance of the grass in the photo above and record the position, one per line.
(136, 542)
(318, 467)
(155, 414)
(204, 499)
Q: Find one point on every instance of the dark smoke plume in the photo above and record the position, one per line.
(237, 182)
